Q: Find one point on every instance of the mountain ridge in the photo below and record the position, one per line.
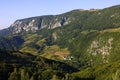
(53, 21)
(85, 41)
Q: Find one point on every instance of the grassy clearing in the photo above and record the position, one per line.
(33, 51)
(54, 52)
(111, 30)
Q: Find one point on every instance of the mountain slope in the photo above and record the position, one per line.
(76, 36)
(11, 43)
(84, 39)
(15, 63)
(86, 19)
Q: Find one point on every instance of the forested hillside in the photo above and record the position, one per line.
(77, 45)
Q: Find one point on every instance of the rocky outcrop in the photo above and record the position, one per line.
(101, 47)
(37, 23)
(19, 26)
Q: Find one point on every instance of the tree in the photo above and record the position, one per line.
(116, 76)
(55, 77)
(24, 75)
(14, 75)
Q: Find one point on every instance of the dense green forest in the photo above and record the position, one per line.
(77, 45)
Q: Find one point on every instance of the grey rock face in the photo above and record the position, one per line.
(37, 23)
